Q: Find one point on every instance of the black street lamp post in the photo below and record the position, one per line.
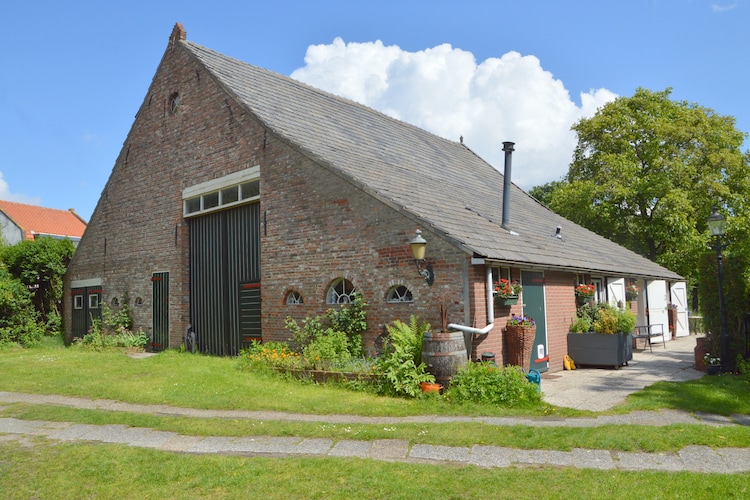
(716, 228)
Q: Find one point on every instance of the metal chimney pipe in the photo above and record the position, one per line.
(508, 148)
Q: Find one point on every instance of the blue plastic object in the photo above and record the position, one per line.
(535, 378)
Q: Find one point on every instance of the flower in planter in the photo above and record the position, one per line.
(505, 289)
(521, 321)
(672, 307)
(709, 360)
(631, 292)
(585, 290)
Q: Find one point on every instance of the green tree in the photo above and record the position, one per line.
(646, 172)
(544, 192)
(40, 265)
(18, 318)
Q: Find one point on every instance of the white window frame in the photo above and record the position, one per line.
(294, 298)
(220, 187)
(345, 297)
(401, 298)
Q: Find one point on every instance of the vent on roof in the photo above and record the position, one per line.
(508, 148)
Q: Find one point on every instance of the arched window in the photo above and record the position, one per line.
(174, 103)
(294, 297)
(341, 291)
(398, 294)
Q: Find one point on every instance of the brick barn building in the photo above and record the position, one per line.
(242, 197)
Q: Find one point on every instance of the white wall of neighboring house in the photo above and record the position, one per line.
(9, 231)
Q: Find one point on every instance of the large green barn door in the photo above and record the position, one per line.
(533, 306)
(224, 258)
(160, 311)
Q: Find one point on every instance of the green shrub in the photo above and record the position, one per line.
(484, 383)
(98, 339)
(626, 320)
(304, 335)
(344, 326)
(352, 320)
(40, 264)
(329, 350)
(400, 367)
(113, 330)
(269, 355)
(580, 325)
(18, 318)
(409, 336)
(602, 318)
(606, 322)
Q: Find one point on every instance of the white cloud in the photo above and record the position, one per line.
(723, 8)
(5, 194)
(445, 91)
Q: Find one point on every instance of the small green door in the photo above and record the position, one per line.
(533, 306)
(86, 310)
(160, 311)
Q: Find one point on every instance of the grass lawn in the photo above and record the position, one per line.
(43, 470)
(112, 471)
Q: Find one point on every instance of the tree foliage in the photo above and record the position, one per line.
(736, 288)
(18, 318)
(646, 172)
(40, 265)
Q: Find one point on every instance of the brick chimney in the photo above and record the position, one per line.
(178, 33)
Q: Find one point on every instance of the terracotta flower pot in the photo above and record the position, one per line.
(430, 387)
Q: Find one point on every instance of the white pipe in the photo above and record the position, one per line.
(490, 311)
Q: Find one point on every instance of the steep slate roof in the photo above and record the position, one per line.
(33, 219)
(441, 182)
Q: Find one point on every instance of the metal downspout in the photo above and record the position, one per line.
(490, 311)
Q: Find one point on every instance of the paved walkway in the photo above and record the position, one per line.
(585, 388)
(599, 389)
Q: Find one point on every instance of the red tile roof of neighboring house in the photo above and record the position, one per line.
(33, 219)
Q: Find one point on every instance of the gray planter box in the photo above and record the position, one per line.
(597, 349)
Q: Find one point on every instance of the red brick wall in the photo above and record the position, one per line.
(321, 227)
(138, 228)
(318, 226)
(561, 310)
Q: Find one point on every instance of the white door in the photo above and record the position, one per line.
(656, 294)
(601, 295)
(616, 291)
(679, 300)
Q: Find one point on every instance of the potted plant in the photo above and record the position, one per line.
(506, 292)
(585, 293)
(713, 365)
(520, 332)
(631, 292)
(601, 335)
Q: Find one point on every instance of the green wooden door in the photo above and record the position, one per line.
(533, 306)
(160, 311)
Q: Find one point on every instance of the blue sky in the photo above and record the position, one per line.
(74, 73)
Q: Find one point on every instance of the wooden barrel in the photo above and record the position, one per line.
(444, 353)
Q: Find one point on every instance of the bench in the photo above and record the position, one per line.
(647, 332)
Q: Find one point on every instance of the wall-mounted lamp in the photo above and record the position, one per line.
(418, 248)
